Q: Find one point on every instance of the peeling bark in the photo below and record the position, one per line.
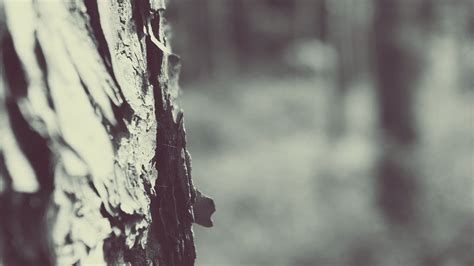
(93, 159)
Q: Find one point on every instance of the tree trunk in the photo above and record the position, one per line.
(93, 159)
(398, 58)
(347, 23)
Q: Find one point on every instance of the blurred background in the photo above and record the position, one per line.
(331, 132)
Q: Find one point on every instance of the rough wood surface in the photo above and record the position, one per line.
(93, 159)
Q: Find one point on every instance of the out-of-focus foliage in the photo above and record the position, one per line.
(262, 86)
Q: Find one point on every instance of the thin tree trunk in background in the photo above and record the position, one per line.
(93, 159)
(398, 59)
(306, 19)
(338, 36)
(222, 46)
(347, 32)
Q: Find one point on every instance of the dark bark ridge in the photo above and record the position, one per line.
(93, 160)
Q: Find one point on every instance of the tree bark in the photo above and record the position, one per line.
(93, 159)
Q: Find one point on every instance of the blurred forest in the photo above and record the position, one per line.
(331, 132)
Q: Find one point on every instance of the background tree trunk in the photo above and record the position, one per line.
(93, 159)
(347, 23)
(399, 49)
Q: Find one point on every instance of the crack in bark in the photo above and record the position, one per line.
(24, 231)
(171, 209)
(98, 36)
(43, 66)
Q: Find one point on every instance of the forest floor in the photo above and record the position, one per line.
(289, 194)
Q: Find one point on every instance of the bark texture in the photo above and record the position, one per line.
(93, 159)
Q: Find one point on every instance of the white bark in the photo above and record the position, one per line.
(94, 166)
